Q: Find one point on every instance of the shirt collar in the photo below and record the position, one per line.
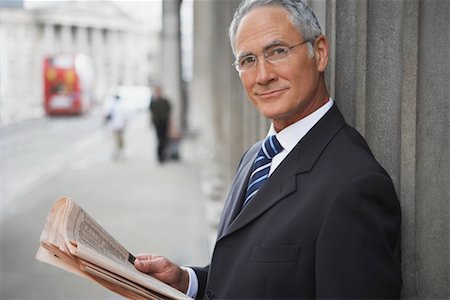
(291, 135)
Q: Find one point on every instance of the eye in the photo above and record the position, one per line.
(247, 61)
(279, 51)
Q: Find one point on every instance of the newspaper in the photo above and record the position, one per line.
(73, 241)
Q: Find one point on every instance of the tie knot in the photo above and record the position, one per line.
(271, 147)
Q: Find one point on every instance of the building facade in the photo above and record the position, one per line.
(122, 52)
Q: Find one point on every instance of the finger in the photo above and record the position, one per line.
(139, 261)
(151, 264)
(144, 256)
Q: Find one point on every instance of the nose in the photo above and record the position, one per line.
(264, 72)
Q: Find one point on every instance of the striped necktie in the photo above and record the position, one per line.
(261, 167)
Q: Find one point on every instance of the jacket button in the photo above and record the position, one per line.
(209, 294)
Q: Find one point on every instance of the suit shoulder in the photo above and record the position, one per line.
(352, 150)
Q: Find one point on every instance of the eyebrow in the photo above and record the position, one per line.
(273, 43)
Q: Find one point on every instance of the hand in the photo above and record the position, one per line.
(163, 269)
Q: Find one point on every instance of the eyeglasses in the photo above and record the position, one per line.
(272, 55)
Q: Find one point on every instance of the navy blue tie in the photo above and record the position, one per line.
(261, 167)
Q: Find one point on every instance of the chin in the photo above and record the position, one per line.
(271, 115)
(270, 112)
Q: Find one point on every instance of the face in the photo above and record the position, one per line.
(158, 92)
(288, 90)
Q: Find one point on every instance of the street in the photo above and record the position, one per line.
(146, 206)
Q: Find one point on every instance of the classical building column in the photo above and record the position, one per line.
(171, 57)
(81, 40)
(66, 39)
(98, 55)
(432, 176)
(113, 56)
(390, 75)
(49, 39)
(129, 61)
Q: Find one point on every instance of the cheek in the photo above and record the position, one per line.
(303, 82)
(247, 84)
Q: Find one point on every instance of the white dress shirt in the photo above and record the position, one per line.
(291, 135)
(288, 138)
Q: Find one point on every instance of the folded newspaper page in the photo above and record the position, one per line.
(73, 241)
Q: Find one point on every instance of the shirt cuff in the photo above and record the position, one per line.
(193, 283)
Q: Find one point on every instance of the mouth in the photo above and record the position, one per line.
(271, 93)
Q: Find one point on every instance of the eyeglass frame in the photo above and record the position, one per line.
(266, 56)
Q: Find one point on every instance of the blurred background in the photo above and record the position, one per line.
(63, 62)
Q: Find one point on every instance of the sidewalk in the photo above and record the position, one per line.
(162, 204)
(146, 206)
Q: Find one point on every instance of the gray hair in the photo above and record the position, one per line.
(300, 15)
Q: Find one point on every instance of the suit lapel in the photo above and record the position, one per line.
(283, 181)
(235, 198)
(279, 185)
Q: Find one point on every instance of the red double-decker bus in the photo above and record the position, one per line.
(68, 84)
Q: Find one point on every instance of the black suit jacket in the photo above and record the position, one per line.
(326, 224)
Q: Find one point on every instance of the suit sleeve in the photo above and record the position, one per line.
(358, 244)
(202, 276)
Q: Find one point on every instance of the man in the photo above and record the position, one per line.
(160, 116)
(325, 222)
(117, 116)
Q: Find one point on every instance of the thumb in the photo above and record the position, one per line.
(149, 264)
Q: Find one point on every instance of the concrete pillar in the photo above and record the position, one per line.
(35, 64)
(202, 109)
(113, 53)
(433, 152)
(408, 121)
(226, 95)
(98, 55)
(390, 76)
(4, 70)
(319, 8)
(131, 70)
(201, 91)
(82, 43)
(66, 39)
(49, 39)
(119, 58)
(171, 57)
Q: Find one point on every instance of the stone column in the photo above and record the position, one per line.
(390, 73)
(98, 54)
(49, 39)
(66, 39)
(432, 174)
(129, 59)
(319, 8)
(113, 54)
(171, 57)
(408, 163)
(82, 44)
(202, 110)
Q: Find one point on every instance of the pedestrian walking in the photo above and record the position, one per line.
(160, 110)
(117, 117)
(311, 214)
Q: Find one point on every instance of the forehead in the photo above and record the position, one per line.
(263, 25)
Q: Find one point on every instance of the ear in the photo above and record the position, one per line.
(321, 53)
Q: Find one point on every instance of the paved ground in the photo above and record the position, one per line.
(146, 206)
